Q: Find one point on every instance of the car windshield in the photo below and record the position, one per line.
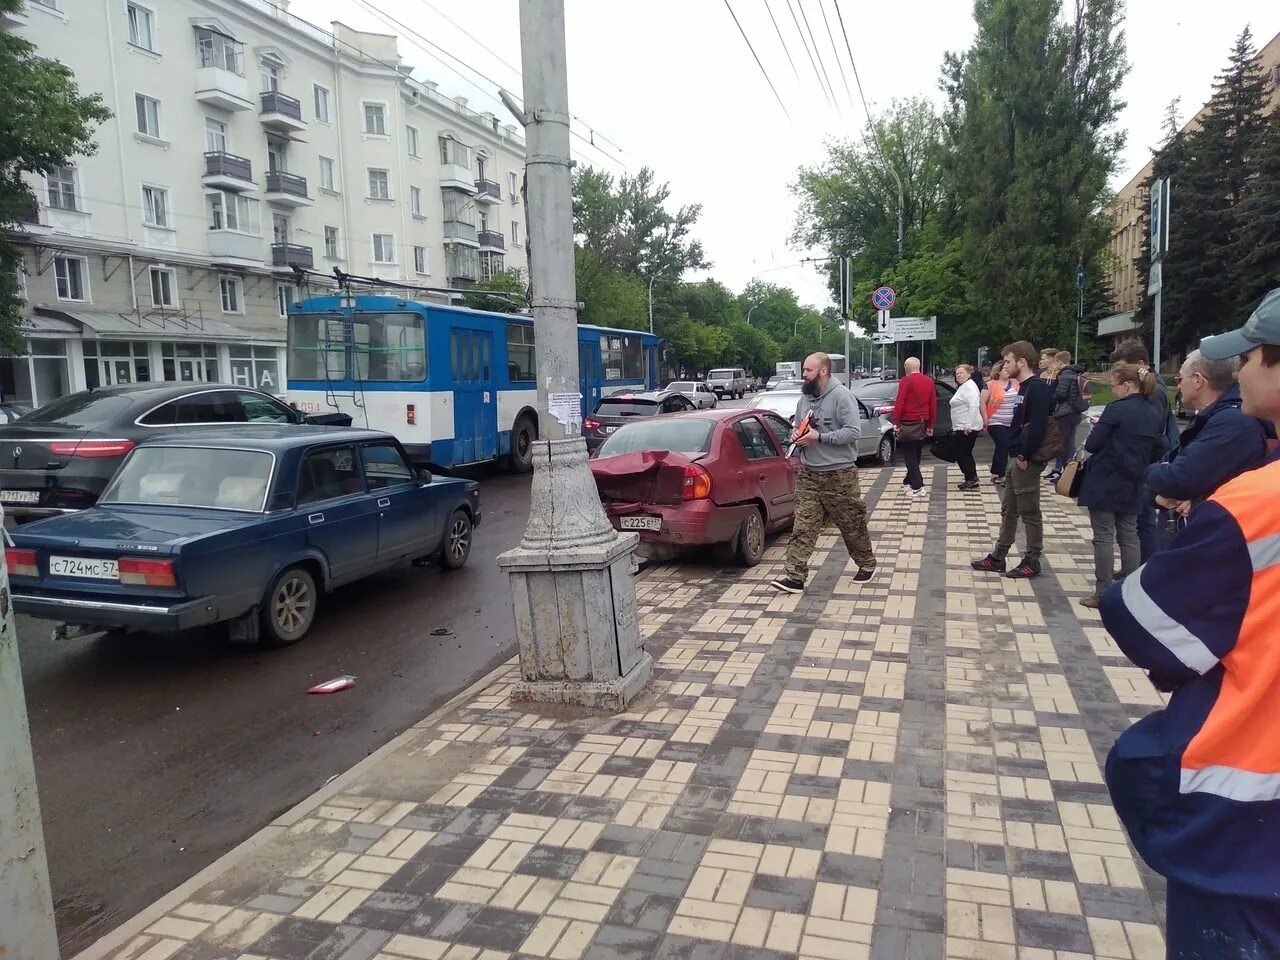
(85, 409)
(193, 477)
(630, 407)
(721, 375)
(680, 434)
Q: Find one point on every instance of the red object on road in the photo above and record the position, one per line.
(334, 685)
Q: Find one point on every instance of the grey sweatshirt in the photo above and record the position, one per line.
(835, 417)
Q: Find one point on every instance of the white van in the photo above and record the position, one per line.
(728, 382)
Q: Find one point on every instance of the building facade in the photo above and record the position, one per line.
(246, 142)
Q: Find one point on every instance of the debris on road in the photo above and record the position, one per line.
(345, 682)
(440, 632)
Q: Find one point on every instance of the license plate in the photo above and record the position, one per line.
(19, 496)
(610, 429)
(82, 567)
(641, 523)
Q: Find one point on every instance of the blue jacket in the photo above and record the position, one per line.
(1121, 444)
(1030, 417)
(1220, 443)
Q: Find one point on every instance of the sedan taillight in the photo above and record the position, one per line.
(147, 573)
(589, 424)
(21, 563)
(93, 449)
(697, 483)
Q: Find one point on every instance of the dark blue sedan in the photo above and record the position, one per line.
(247, 527)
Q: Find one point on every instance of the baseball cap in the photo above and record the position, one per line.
(1262, 327)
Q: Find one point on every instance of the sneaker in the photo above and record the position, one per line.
(921, 494)
(1025, 570)
(788, 584)
(1093, 603)
(968, 485)
(1052, 477)
(864, 574)
(988, 563)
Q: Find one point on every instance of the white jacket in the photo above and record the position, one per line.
(966, 408)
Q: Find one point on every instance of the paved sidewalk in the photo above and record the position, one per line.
(909, 768)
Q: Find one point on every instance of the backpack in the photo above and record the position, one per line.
(1084, 394)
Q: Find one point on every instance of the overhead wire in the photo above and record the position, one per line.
(835, 51)
(781, 40)
(858, 80)
(804, 43)
(818, 53)
(763, 71)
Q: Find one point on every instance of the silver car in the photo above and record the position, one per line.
(702, 396)
(875, 437)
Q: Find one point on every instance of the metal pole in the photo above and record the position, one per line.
(844, 319)
(1079, 318)
(26, 905)
(652, 276)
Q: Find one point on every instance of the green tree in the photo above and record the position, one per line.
(1257, 251)
(505, 293)
(46, 124)
(610, 297)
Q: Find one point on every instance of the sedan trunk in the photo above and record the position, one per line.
(647, 476)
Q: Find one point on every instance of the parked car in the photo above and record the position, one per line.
(711, 478)
(612, 412)
(59, 458)
(875, 437)
(243, 526)
(880, 395)
(728, 382)
(696, 390)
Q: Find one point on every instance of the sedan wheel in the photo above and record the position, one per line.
(457, 541)
(885, 451)
(290, 608)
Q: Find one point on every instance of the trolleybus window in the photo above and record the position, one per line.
(623, 357)
(520, 353)
(390, 346)
(316, 349)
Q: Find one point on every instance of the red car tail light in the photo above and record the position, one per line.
(589, 424)
(697, 483)
(147, 573)
(94, 449)
(22, 563)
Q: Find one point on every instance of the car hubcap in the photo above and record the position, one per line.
(293, 605)
(755, 535)
(459, 539)
(886, 451)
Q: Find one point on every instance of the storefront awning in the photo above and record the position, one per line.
(108, 324)
(37, 326)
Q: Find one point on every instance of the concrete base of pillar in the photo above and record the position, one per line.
(615, 695)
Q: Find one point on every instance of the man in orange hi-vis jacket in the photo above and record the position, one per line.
(1198, 784)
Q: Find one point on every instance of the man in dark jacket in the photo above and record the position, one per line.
(1135, 351)
(1035, 441)
(1069, 406)
(1220, 443)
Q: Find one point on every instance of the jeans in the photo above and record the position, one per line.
(1022, 502)
(1068, 426)
(1148, 525)
(911, 450)
(1000, 436)
(1109, 527)
(964, 456)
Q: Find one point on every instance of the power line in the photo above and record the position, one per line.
(785, 48)
(757, 58)
(835, 51)
(804, 43)
(818, 53)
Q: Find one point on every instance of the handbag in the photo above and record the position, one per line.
(912, 431)
(1069, 482)
(947, 447)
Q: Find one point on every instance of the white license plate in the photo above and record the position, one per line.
(610, 429)
(641, 523)
(19, 496)
(82, 567)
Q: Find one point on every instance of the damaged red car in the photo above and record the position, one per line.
(715, 478)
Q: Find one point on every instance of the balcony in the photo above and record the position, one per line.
(291, 255)
(281, 113)
(492, 240)
(287, 190)
(487, 191)
(13, 18)
(220, 79)
(226, 171)
(454, 176)
(234, 247)
(457, 230)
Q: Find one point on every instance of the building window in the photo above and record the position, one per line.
(331, 248)
(164, 287)
(375, 119)
(515, 232)
(491, 264)
(256, 367)
(232, 293)
(44, 375)
(461, 262)
(219, 51)
(62, 188)
(190, 362)
(215, 135)
(47, 4)
(142, 26)
(327, 175)
(321, 95)
(285, 296)
(379, 184)
(415, 201)
(411, 137)
(148, 109)
(231, 211)
(420, 260)
(514, 186)
(384, 248)
(453, 152)
(71, 275)
(155, 206)
(269, 71)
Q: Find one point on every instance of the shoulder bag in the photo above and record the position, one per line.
(1068, 484)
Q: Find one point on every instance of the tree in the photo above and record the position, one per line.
(511, 293)
(46, 123)
(1257, 251)
(610, 297)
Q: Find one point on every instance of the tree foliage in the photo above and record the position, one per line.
(505, 293)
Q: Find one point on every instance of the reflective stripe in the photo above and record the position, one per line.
(1231, 783)
(1265, 552)
(1176, 638)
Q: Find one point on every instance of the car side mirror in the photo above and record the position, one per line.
(424, 477)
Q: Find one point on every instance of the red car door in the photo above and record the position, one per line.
(767, 474)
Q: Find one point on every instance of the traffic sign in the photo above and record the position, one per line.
(1154, 277)
(1080, 278)
(914, 328)
(882, 321)
(883, 297)
(882, 338)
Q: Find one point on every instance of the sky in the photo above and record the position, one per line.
(672, 84)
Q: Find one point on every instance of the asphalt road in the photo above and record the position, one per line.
(156, 755)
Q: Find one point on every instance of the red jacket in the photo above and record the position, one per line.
(917, 400)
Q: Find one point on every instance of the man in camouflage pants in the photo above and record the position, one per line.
(827, 491)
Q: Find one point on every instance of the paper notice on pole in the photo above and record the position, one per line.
(567, 409)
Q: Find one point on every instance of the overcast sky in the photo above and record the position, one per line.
(671, 84)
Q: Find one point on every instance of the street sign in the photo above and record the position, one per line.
(914, 328)
(1159, 218)
(882, 321)
(1080, 278)
(1154, 278)
(882, 338)
(883, 297)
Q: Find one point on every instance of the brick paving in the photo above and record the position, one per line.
(908, 769)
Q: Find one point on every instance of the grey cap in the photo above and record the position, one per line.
(1262, 327)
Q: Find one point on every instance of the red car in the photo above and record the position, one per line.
(711, 478)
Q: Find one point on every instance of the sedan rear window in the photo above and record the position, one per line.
(680, 434)
(193, 477)
(627, 408)
(80, 410)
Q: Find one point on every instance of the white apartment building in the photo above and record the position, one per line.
(245, 141)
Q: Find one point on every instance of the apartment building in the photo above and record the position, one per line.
(246, 142)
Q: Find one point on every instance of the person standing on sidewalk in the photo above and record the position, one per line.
(827, 491)
(914, 413)
(966, 421)
(1197, 785)
(1069, 405)
(1003, 390)
(1035, 442)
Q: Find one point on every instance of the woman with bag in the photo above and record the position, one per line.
(1002, 398)
(1120, 445)
(966, 424)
